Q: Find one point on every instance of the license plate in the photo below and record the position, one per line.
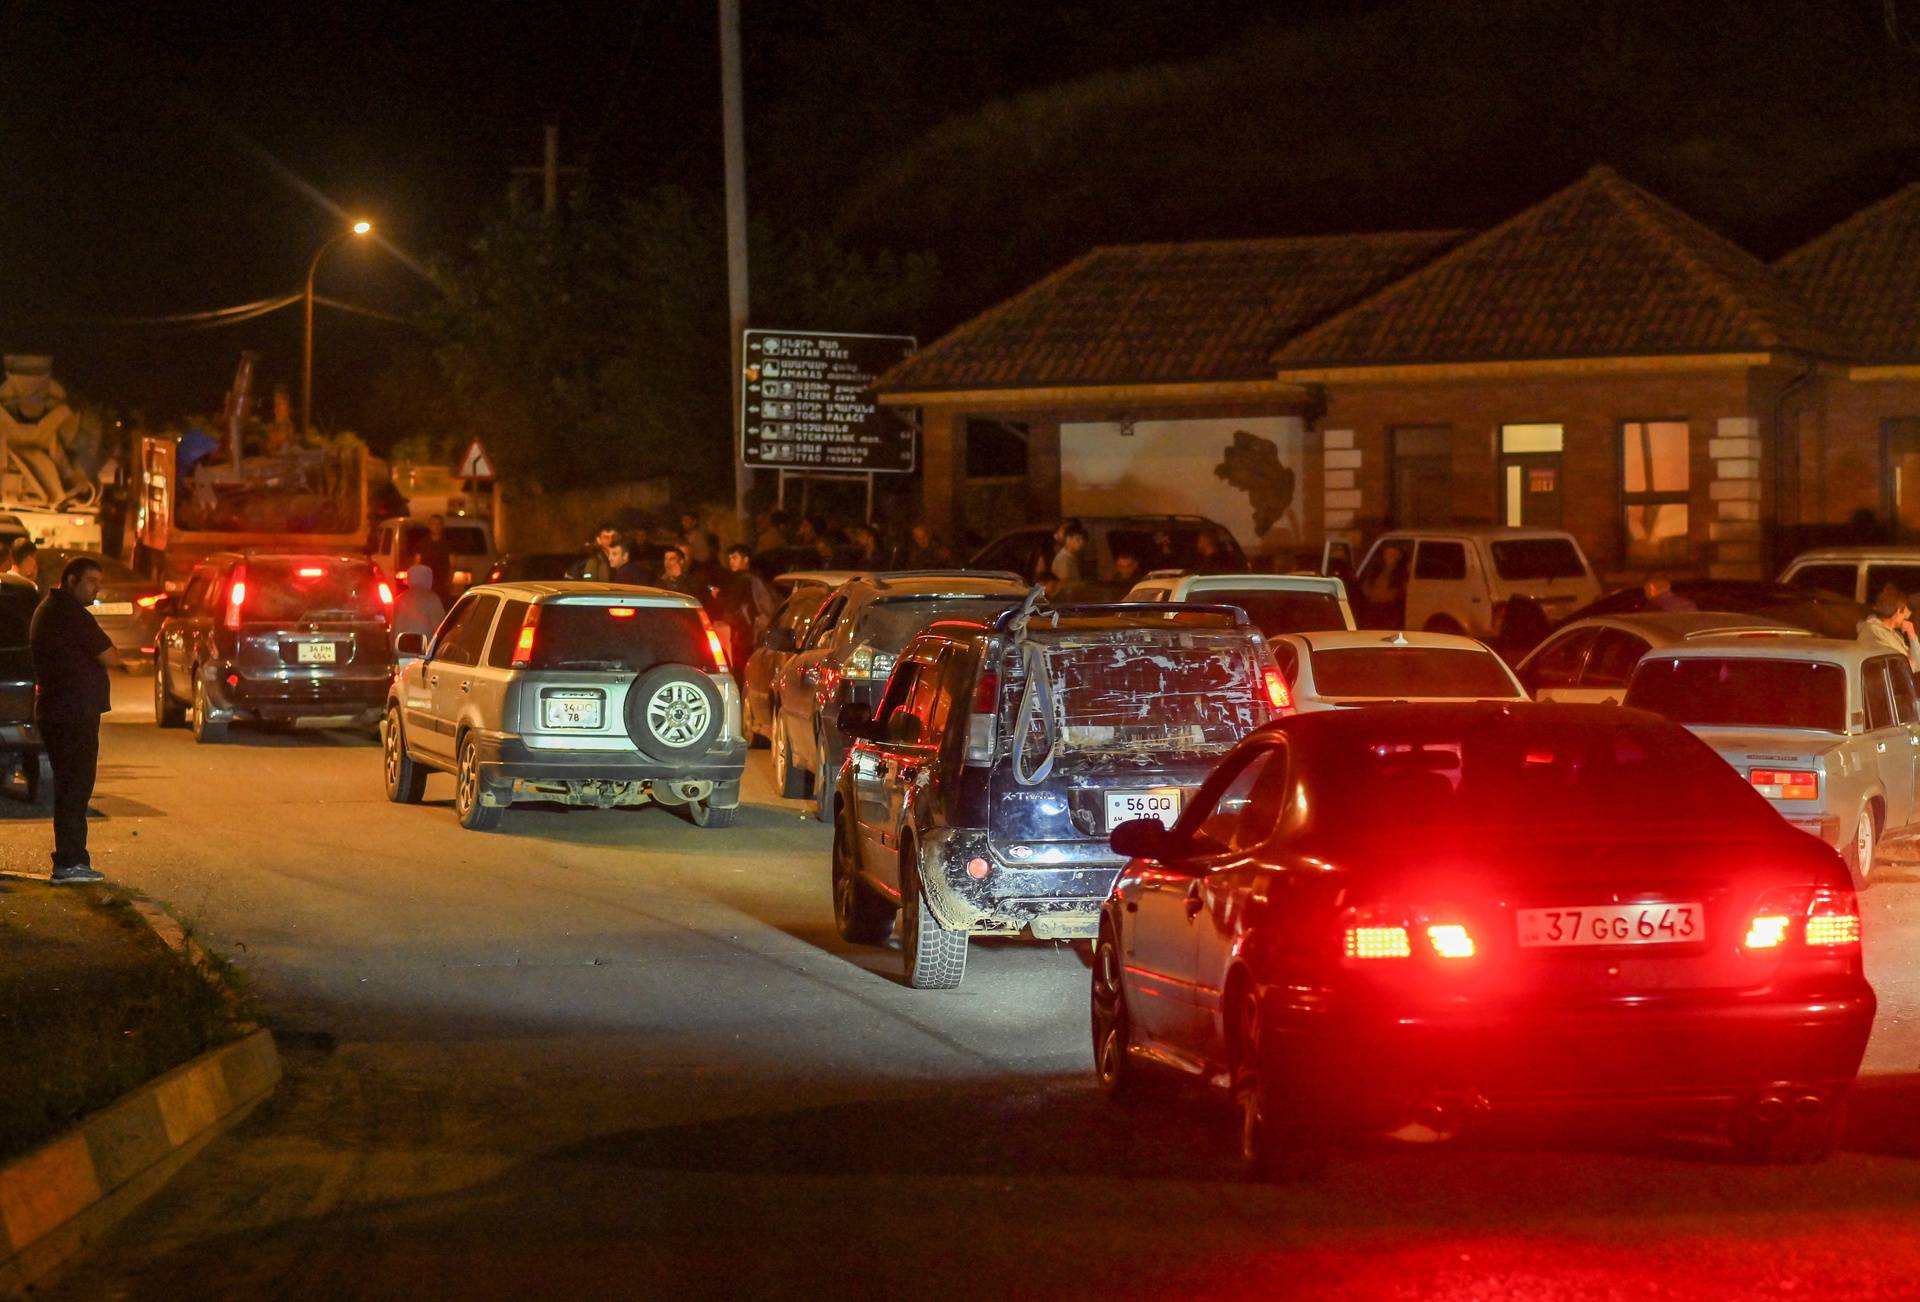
(571, 711)
(1162, 803)
(314, 653)
(113, 607)
(1613, 924)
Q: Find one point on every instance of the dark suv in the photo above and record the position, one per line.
(978, 795)
(274, 637)
(20, 746)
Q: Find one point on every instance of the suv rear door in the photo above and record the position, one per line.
(308, 613)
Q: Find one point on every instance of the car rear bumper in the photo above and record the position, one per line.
(20, 738)
(1055, 901)
(507, 758)
(1677, 1055)
(305, 696)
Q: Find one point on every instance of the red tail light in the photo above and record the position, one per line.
(147, 602)
(620, 612)
(1376, 933)
(1786, 784)
(1450, 940)
(715, 646)
(1826, 919)
(236, 596)
(1833, 920)
(986, 692)
(1378, 942)
(1277, 692)
(523, 647)
(312, 572)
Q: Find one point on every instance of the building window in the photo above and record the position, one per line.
(1655, 473)
(1421, 483)
(996, 449)
(1530, 475)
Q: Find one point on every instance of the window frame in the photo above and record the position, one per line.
(1650, 497)
(1876, 686)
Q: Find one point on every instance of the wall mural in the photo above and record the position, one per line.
(1243, 472)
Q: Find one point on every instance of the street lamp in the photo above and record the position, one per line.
(359, 229)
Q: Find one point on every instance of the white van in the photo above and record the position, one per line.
(1459, 580)
(469, 540)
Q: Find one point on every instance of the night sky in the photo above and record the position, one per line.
(139, 137)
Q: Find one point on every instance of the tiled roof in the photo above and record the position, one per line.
(1863, 277)
(1601, 269)
(1164, 313)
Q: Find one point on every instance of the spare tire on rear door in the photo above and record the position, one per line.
(674, 712)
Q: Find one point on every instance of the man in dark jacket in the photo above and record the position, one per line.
(71, 657)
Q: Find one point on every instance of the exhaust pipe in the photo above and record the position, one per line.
(1808, 1105)
(1770, 1110)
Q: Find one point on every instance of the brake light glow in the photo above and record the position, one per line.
(1833, 919)
(386, 595)
(1378, 942)
(1277, 692)
(312, 572)
(147, 602)
(1768, 931)
(1826, 919)
(1786, 784)
(986, 692)
(1450, 940)
(620, 612)
(523, 647)
(236, 596)
(715, 647)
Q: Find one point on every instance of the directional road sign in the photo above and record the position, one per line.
(807, 402)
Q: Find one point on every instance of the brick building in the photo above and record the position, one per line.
(1600, 361)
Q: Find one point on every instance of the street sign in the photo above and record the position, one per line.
(806, 402)
(475, 464)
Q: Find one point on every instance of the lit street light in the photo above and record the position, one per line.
(360, 229)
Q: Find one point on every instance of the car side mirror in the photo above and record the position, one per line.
(1141, 838)
(903, 729)
(410, 644)
(781, 639)
(855, 716)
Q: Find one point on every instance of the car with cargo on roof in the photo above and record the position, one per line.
(592, 694)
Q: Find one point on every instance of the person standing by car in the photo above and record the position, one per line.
(1066, 562)
(436, 553)
(743, 603)
(674, 576)
(593, 566)
(1891, 624)
(622, 568)
(71, 656)
(418, 608)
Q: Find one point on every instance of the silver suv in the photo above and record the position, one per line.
(593, 694)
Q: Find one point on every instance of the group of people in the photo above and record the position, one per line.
(799, 541)
(689, 561)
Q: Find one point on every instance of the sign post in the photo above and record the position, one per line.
(806, 403)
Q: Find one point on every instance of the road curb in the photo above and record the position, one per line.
(58, 1198)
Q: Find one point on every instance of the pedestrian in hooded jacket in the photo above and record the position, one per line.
(418, 608)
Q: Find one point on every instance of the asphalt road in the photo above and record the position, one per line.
(607, 1054)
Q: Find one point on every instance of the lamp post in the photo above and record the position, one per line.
(359, 230)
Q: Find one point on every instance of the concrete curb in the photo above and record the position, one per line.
(66, 1193)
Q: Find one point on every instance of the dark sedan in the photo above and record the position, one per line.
(1401, 920)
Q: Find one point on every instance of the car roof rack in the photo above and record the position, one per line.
(1138, 609)
(883, 578)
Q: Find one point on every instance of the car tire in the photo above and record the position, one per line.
(167, 712)
(1797, 1141)
(38, 772)
(861, 914)
(674, 712)
(206, 731)
(790, 781)
(1114, 1065)
(935, 958)
(704, 813)
(406, 780)
(475, 814)
(822, 782)
(1865, 845)
(1282, 1135)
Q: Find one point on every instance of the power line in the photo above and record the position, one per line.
(226, 316)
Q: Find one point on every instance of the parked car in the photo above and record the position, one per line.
(1341, 670)
(1158, 541)
(21, 750)
(527, 567)
(1590, 660)
(821, 581)
(1275, 603)
(1822, 613)
(791, 619)
(1828, 731)
(1856, 572)
(979, 792)
(1460, 580)
(265, 636)
(1378, 921)
(848, 653)
(470, 541)
(592, 694)
(129, 608)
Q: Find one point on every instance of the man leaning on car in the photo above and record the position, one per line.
(71, 656)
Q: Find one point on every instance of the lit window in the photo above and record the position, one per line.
(1654, 479)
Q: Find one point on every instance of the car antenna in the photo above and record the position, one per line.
(1399, 638)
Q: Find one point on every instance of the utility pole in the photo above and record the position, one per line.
(550, 171)
(734, 142)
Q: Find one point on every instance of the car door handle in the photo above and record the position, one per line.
(1880, 746)
(466, 684)
(433, 680)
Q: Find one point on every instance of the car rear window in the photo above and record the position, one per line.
(1276, 612)
(1143, 692)
(890, 623)
(1537, 558)
(1742, 693)
(576, 635)
(1411, 672)
(287, 590)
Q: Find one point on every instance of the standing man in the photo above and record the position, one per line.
(744, 603)
(674, 576)
(71, 657)
(593, 565)
(1066, 562)
(1890, 624)
(436, 553)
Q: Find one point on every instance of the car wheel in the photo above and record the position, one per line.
(936, 959)
(206, 730)
(1866, 843)
(704, 813)
(822, 782)
(1281, 1137)
(1797, 1140)
(789, 781)
(406, 780)
(38, 772)
(167, 712)
(474, 813)
(1113, 1061)
(860, 914)
(673, 712)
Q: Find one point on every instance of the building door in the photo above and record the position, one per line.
(1530, 479)
(1900, 490)
(1421, 479)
